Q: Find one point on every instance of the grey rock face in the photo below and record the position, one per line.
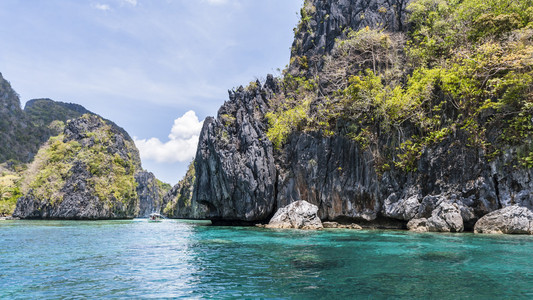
(329, 19)
(28, 207)
(234, 162)
(177, 203)
(79, 202)
(299, 215)
(337, 176)
(239, 176)
(511, 219)
(331, 173)
(150, 196)
(446, 218)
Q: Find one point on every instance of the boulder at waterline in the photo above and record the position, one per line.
(511, 219)
(446, 217)
(418, 225)
(300, 215)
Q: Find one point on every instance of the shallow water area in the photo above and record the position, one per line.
(173, 259)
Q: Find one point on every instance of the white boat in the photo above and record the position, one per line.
(155, 217)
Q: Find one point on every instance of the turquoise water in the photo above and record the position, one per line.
(172, 259)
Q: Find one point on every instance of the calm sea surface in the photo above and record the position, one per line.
(176, 259)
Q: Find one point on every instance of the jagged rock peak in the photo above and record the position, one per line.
(324, 21)
(234, 162)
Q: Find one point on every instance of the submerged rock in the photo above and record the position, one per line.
(418, 225)
(330, 224)
(512, 219)
(300, 215)
(343, 226)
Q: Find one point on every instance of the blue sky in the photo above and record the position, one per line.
(155, 67)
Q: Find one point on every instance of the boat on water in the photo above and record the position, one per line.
(155, 217)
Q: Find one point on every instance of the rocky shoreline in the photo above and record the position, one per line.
(509, 220)
(303, 215)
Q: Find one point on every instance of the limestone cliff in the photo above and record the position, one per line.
(87, 172)
(90, 171)
(25, 132)
(381, 119)
(323, 22)
(150, 192)
(177, 202)
(19, 138)
(235, 168)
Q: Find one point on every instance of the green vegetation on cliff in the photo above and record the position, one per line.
(464, 67)
(111, 166)
(9, 190)
(178, 202)
(59, 160)
(43, 112)
(19, 139)
(163, 187)
(23, 132)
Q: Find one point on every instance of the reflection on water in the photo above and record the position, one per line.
(173, 259)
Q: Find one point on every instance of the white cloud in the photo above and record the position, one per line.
(185, 127)
(103, 7)
(182, 145)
